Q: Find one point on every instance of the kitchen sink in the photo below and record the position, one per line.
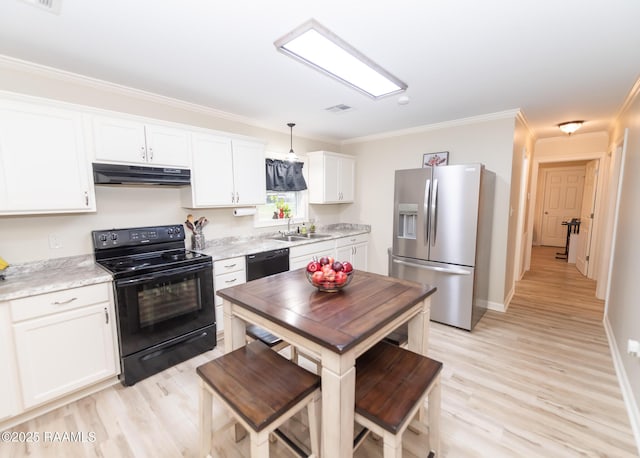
(314, 235)
(288, 238)
(298, 237)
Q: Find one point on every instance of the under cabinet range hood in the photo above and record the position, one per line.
(140, 175)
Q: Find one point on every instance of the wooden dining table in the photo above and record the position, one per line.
(334, 328)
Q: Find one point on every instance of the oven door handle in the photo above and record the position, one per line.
(163, 274)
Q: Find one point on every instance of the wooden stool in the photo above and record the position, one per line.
(261, 390)
(276, 344)
(391, 386)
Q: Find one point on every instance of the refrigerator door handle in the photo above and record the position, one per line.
(427, 196)
(434, 212)
(437, 269)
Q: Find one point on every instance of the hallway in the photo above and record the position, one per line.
(537, 381)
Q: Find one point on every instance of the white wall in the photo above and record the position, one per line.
(622, 310)
(488, 140)
(26, 238)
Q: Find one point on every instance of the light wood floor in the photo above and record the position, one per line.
(537, 381)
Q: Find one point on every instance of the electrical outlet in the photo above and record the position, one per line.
(633, 348)
(55, 243)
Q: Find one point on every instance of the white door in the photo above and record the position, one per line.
(212, 171)
(346, 179)
(331, 178)
(249, 173)
(167, 146)
(586, 217)
(43, 167)
(50, 360)
(119, 140)
(562, 202)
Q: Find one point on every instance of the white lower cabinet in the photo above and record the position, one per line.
(300, 256)
(353, 249)
(64, 341)
(9, 394)
(227, 272)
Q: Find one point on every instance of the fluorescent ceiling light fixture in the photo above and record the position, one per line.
(317, 46)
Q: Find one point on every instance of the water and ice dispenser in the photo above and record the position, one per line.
(407, 221)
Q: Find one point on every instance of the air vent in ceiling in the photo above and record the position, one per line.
(340, 108)
(52, 6)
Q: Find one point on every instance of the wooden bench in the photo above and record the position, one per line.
(391, 386)
(261, 390)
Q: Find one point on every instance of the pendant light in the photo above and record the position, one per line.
(291, 156)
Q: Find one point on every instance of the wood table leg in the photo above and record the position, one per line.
(418, 338)
(235, 330)
(338, 401)
(206, 415)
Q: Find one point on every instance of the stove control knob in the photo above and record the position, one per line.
(103, 237)
(178, 229)
(170, 230)
(114, 236)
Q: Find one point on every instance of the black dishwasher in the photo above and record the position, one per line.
(267, 263)
(261, 265)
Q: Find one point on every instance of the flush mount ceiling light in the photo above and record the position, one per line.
(291, 156)
(317, 46)
(570, 127)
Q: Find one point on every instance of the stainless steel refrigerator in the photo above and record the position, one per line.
(442, 237)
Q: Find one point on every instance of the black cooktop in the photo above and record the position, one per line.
(152, 261)
(142, 250)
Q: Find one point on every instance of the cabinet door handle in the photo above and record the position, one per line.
(106, 316)
(237, 198)
(86, 198)
(143, 153)
(68, 301)
(229, 266)
(230, 281)
(151, 154)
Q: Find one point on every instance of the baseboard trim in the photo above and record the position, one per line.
(56, 403)
(495, 306)
(630, 402)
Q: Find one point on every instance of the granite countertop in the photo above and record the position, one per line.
(63, 273)
(51, 275)
(231, 247)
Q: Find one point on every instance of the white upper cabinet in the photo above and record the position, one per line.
(249, 172)
(43, 163)
(331, 178)
(122, 140)
(225, 172)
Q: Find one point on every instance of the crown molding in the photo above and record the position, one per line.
(631, 96)
(567, 138)
(12, 63)
(437, 126)
(525, 122)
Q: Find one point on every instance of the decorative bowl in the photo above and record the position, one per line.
(329, 286)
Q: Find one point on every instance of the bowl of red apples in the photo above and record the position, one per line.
(329, 275)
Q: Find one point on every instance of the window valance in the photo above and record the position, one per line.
(284, 176)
